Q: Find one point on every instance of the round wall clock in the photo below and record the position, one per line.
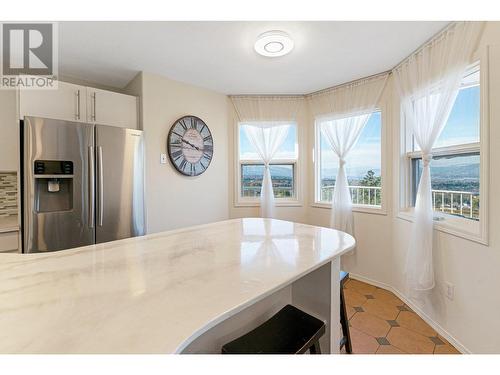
(190, 145)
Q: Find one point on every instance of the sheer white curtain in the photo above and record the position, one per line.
(341, 135)
(342, 113)
(266, 139)
(267, 108)
(266, 120)
(428, 82)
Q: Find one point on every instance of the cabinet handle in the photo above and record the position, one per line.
(78, 104)
(94, 116)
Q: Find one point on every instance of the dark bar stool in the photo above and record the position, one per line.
(289, 331)
(344, 322)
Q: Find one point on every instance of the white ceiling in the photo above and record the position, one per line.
(220, 55)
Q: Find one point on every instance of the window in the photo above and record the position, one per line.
(363, 165)
(455, 168)
(283, 169)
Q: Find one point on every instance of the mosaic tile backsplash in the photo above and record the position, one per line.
(8, 194)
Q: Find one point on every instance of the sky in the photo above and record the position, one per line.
(365, 155)
(462, 127)
(287, 151)
(463, 123)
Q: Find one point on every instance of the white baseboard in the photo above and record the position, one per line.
(458, 345)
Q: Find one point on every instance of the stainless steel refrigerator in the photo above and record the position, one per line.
(82, 184)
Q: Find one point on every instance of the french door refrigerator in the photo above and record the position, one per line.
(82, 184)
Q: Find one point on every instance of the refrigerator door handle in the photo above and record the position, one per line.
(100, 198)
(91, 187)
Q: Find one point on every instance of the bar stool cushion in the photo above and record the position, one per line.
(289, 331)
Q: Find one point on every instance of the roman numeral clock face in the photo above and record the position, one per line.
(190, 146)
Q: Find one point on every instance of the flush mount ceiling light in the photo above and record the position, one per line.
(273, 44)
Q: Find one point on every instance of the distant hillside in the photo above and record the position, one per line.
(456, 171)
(352, 173)
(257, 171)
(462, 177)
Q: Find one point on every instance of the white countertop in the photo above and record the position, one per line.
(9, 224)
(153, 294)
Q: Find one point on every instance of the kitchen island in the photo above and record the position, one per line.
(182, 291)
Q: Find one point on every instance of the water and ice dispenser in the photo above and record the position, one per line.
(53, 185)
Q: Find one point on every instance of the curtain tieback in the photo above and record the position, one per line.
(426, 159)
(266, 165)
(341, 162)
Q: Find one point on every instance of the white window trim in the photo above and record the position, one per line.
(240, 201)
(476, 231)
(363, 208)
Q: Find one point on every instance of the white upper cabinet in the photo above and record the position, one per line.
(67, 102)
(111, 108)
(82, 104)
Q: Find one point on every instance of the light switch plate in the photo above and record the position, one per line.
(163, 158)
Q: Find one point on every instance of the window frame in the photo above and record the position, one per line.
(472, 230)
(241, 201)
(365, 208)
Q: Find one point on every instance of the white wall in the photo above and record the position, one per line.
(174, 200)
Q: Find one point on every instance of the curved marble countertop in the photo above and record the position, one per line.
(153, 294)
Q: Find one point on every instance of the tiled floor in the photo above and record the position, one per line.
(381, 323)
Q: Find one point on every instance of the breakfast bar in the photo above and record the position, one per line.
(182, 291)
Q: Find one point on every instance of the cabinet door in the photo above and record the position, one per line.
(111, 108)
(67, 102)
(9, 242)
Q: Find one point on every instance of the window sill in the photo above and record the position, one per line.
(278, 203)
(376, 210)
(459, 227)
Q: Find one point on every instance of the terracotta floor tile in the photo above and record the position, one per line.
(370, 324)
(437, 341)
(387, 297)
(361, 287)
(353, 298)
(413, 336)
(389, 349)
(410, 341)
(412, 321)
(362, 343)
(445, 349)
(350, 311)
(381, 309)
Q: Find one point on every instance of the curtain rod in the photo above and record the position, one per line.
(353, 82)
(285, 96)
(268, 96)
